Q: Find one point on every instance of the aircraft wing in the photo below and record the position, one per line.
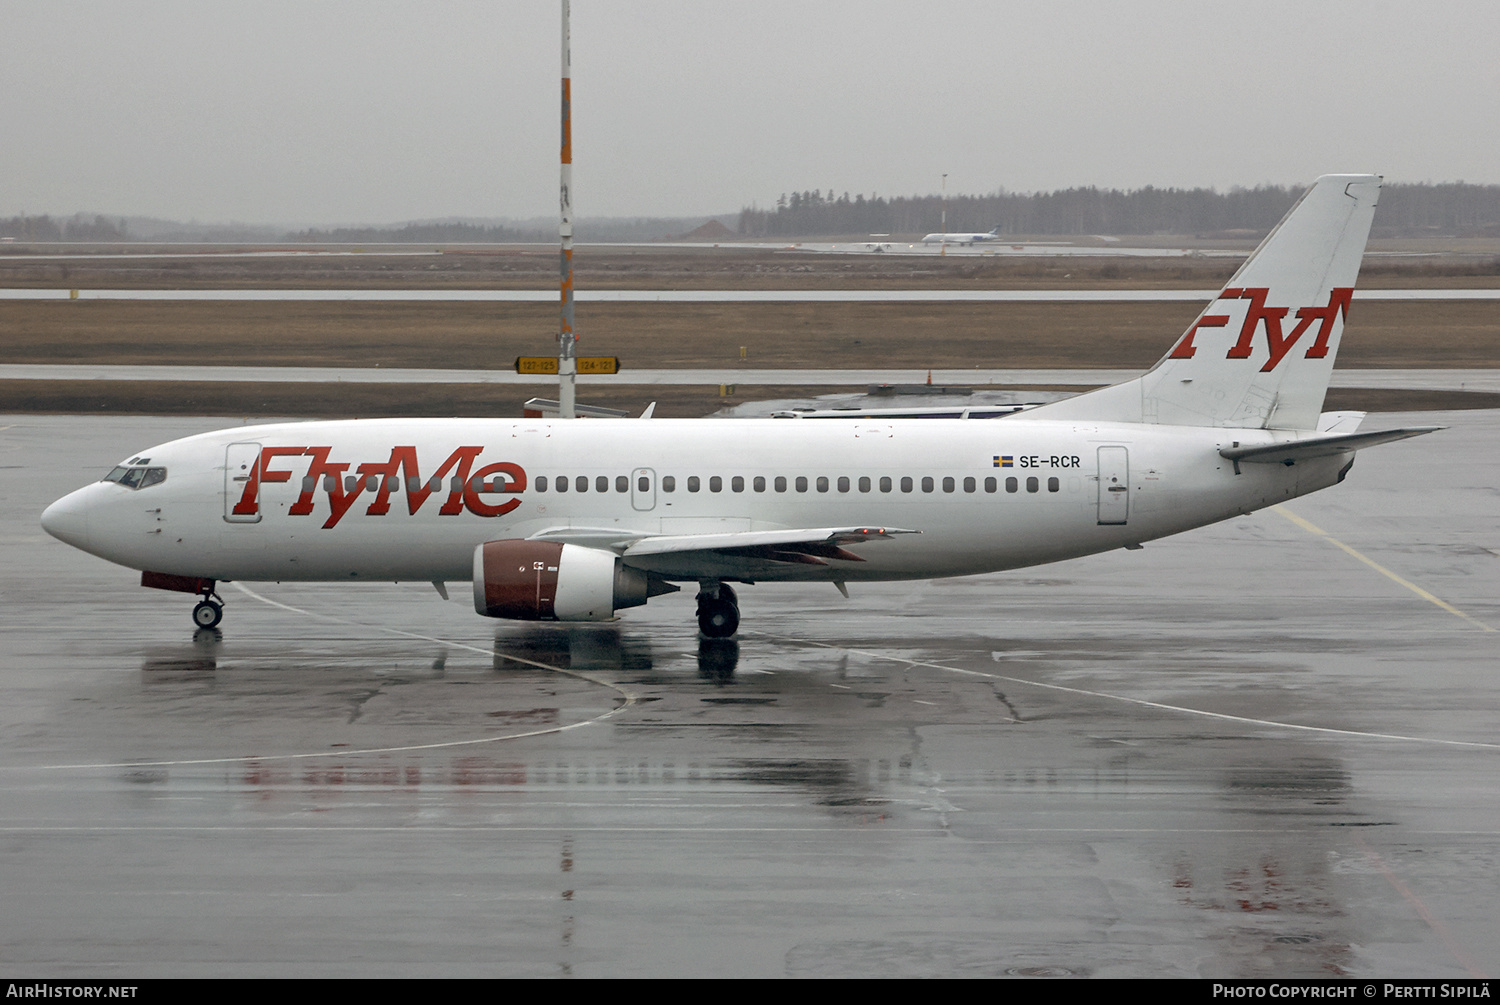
(1319, 446)
(808, 547)
(740, 555)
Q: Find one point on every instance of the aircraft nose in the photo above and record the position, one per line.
(68, 520)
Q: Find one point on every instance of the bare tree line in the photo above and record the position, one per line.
(1446, 209)
(73, 228)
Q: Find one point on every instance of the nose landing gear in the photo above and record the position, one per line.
(208, 612)
(718, 610)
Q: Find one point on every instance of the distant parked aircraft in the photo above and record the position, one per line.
(961, 238)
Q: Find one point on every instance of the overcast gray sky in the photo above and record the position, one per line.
(329, 112)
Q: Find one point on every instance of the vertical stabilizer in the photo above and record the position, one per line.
(1260, 355)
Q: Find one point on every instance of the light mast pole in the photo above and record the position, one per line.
(567, 353)
(943, 250)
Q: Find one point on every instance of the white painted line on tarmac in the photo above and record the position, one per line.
(1142, 702)
(630, 699)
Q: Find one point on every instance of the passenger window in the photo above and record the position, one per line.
(330, 483)
(692, 483)
(601, 483)
(885, 483)
(1011, 484)
(1032, 484)
(350, 482)
(801, 483)
(927, 483)
(864, 483)
(562, 483)
(716, 484)
(969, 485)
(948, 485)
(309, 483)
(737, 483)
(414, 484)
(581, 483)
(906, 484)
(843, 483)
(780, 483)
(541, 483)
(1053, 485)
(436, 485)
(669, 483)
(622, 483)
(759, 484)
(990, 484)
(822, 483)
(643, 483)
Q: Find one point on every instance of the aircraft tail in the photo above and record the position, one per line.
(1260, 355)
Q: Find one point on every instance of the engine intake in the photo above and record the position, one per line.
(548, 581)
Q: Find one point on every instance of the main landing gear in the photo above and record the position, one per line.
(718, 610)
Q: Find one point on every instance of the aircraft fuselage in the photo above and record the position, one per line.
(410, 499)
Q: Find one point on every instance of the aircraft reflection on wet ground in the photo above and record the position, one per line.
(580, 648)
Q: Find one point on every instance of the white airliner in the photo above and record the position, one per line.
(993, 235)
(575, 519)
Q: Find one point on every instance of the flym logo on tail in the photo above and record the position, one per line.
(1272, 317)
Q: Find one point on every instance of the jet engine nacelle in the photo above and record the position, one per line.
(548, 581)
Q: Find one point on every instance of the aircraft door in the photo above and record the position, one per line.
(1114, 485)
(240, 460)
(643, 489)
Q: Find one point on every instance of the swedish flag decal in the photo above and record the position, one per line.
(1004, 461)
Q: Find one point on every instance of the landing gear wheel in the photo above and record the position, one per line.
(718, 619)
(207, 614)
(726, 592)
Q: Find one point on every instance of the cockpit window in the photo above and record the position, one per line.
(136, 477)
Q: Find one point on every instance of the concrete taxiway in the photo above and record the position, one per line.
(1262, 749)
(705, 296)
(1470, 379)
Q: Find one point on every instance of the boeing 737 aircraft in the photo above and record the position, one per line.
(573, 520)
(993, 235)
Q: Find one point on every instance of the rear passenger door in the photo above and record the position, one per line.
(1114, 485)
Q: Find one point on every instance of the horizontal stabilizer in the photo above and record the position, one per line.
(1320, 446)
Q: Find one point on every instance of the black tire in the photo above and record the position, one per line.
(207, 614)
(726, 592)
(718, 619)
